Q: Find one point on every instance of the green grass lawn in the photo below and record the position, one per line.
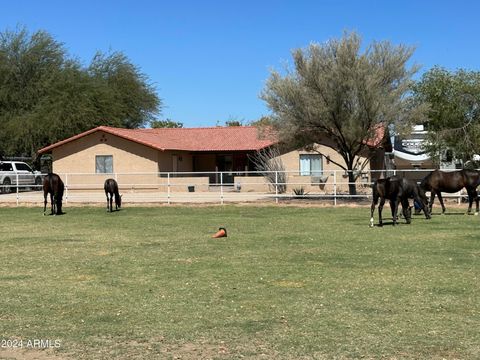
(287, 283)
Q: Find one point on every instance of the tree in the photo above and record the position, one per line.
(337, 91)
(453, 117)
(132, 100)
(165, 124)
(233, 123)
(264, 121)
(46, 96)
(29, 66)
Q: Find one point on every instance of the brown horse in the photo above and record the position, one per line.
(111, 190)
(53, 185)
(450, 182)
(397, 190)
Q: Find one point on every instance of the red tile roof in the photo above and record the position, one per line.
(232, 138)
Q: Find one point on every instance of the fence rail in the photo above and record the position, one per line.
(211, 187)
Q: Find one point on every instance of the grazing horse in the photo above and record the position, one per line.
(397, 190)
(451, 182)
(53, 185)
(111, 189)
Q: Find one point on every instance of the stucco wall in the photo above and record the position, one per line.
(78, 156)
(291, 160)
(77, 159)
(166, 161)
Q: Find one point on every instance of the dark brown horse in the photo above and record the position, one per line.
(450, 182)
(53, 185)
(397, 190)
(111, 190)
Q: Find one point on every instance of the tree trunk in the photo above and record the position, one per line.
(352, 188)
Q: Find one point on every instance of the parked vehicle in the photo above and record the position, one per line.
(13, 173)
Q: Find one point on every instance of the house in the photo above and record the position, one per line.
(203, 151)
(317, 170)
(212, 156)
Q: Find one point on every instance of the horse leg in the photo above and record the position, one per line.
(380, 208)
(59, 206)
(439, 194)
(432, 198)
(472, 195)
(106, 194)
(52, 204)
(111, 202)
(392, 208)
(372, 210)
(45, 203)
(470, 201)
(475, 196)
(395, 211)
(425, 209)
(407, 212)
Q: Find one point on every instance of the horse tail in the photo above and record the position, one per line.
(118, 197)
(61, 188)
(51, 184)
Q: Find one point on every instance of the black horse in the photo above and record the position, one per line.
(451, 182)
(397, 190)
(53, 185)
(111, 189)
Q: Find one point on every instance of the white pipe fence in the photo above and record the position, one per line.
(211, 187)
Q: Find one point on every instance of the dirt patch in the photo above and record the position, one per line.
(191, 351)
(30, 354)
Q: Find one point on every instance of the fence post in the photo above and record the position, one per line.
(276, 187)
(66, 188)
(221, 188)
(335, 188)
(16, 175)
(168, 188)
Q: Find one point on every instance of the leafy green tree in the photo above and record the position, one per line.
(29, 68)
(339, 92)
(165, 124)
(264, 121)
(233, 123)
(453, 117)
(46, 95)
(131, 99)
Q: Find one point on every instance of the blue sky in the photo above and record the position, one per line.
(209, 60)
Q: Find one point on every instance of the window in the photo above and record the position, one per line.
(22, 166)
(104, 164)
(311, 165)
(6, 167)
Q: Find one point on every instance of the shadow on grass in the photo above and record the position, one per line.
(390, 223)
(449, 214)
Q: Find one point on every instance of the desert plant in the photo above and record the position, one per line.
(299, 191)
(269, 163)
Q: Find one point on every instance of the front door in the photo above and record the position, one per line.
(225, 165)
